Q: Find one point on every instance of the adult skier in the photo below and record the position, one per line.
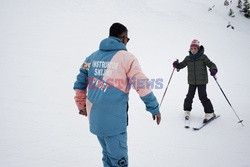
(107, 76)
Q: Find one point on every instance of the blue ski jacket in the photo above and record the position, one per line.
(103, 85)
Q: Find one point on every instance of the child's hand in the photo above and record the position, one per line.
(175, 64)
(213, 72)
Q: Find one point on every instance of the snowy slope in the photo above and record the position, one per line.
(43, 43)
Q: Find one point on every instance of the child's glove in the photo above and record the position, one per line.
(175, 64)
(213, 72)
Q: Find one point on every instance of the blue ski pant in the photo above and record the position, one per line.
(114, 150)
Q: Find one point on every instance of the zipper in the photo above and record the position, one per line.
(194, 72)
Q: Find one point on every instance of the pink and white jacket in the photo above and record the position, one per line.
(103, 85)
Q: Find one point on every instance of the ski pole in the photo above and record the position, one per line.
(240, 120)
(167, 87)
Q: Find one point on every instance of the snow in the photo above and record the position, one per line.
(43, 43)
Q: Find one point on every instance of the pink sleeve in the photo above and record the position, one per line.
(137, 78)
(80, 99)
(127, 72)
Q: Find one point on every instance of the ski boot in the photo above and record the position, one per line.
(187, 115)
(208, 117)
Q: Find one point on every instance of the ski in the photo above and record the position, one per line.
(187, 122)
(205, 124)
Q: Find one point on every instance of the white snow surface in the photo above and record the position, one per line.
(43, 43)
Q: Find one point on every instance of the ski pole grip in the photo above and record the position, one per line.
(177, 68)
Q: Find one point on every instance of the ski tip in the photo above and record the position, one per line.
(195, 128)
(187, 127)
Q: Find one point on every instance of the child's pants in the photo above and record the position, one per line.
(114, 150)
(208, 107)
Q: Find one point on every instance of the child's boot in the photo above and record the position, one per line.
(187, 115)
(208, 116)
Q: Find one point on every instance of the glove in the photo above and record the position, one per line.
(175, 64)
(213, 72)
(80, 99)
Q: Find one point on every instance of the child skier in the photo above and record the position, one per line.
(197, 63)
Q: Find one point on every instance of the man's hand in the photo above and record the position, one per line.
(80, 99)
(83, 112)
(158, 118)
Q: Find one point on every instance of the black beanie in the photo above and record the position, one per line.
(117, 29)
